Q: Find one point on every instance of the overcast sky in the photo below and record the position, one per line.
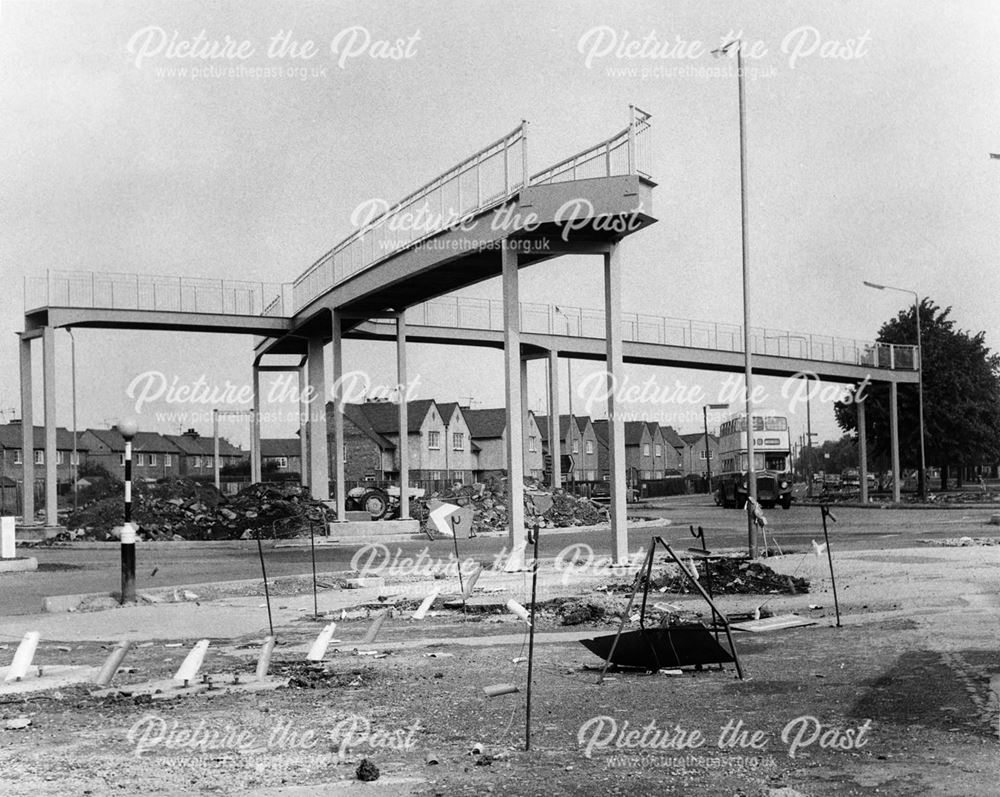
(870, 165)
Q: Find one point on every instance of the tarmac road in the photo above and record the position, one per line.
(68, 570)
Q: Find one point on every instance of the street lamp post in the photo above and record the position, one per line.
(747, 357)
(708, 451)
(922, 480)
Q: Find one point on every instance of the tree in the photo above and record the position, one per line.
(961, 385)
(832, 456)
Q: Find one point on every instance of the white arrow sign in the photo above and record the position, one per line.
(439, 517)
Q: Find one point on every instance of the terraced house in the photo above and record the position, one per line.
(11, 461)
(488, 429)
(578, 440)
(153, 455)
(197, 454)
(646, 454)
(438, 440)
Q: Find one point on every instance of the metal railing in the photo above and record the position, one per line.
(481, 181)
(472, 313)
(486, 179)
(102, 290)
(626, 152)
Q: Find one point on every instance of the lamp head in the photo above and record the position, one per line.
(874, 285)
(128, 427)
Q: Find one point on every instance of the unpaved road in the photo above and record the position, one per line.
(908, 675)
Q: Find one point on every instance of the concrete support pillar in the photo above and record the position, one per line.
(27, 437)
(403, 448)
(515, 432)
(303, 427)
(525, 408)
(863, 450)
(894, 438)
(319, 462)
(339, 481)
(255, 457)
(616, 421)
(555, 447)
(49, 387)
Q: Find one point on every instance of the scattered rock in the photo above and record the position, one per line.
(367, 771)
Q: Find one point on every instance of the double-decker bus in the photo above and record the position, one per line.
(771, 452)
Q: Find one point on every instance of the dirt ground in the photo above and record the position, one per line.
(896, 701)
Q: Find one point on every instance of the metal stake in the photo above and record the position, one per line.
(267, 594)
(531, 641)
(825, 511)
(312, 548)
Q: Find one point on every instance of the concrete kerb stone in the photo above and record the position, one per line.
(19, 564)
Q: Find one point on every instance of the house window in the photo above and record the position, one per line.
(39, 457)
(59, 457)
(166, 460)
(197, 462)
(152, 459)
(532, 443)
(657, 451)
(435, 474)
(74, 458)
(701, 454)
(645, 453)
(434, 443)
(590, 447)
(282, 463)
(121, 460)
(576, 446)
(458, 441)
(17, 456)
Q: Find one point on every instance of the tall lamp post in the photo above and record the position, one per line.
(747, 357)
(127, 428)
(74, 461)
(922, 480)
(708, 453)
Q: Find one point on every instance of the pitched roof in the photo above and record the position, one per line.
(633, 432)
(696, 437)
(203, 446)
(487, 423)
(448, 409)
(356, 415)
(280, 447)
(142, 442)
(10, 437)
(601, 432)
(543, 426)
(671, 438)
(383, 416)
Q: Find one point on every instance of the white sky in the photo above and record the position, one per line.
(871, 167)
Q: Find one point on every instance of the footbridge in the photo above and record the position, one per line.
(488, 216)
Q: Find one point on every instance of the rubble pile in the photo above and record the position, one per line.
(729, 577)
(550, 510)
(190, 510)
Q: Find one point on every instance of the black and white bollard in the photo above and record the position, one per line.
(128, 428)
